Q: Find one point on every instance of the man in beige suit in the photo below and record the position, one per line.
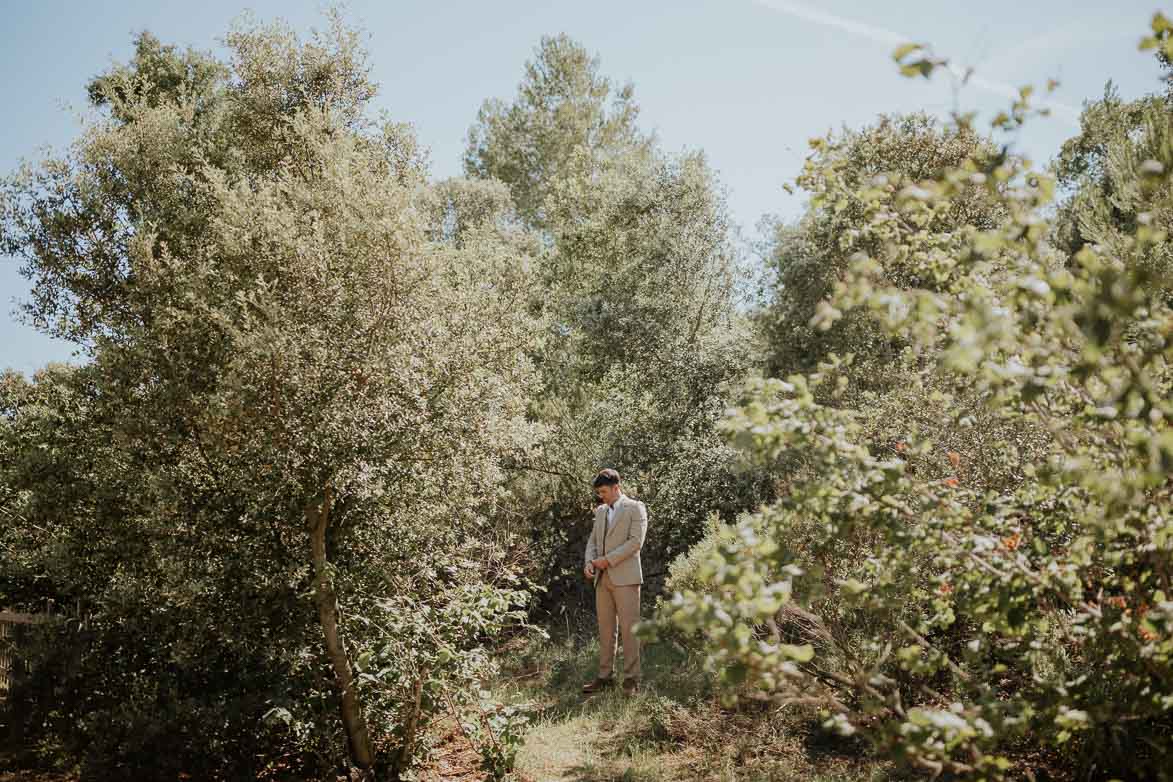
(612, 563)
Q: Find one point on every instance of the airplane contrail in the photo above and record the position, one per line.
(892, 38)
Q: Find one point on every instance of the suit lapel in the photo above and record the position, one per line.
(601, 551)
(601, 532)
(607, 531)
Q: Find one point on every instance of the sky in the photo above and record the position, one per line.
(747, 81)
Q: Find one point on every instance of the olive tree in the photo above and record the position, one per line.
(304, 392)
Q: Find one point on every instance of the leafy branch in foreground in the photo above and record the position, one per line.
(965, 618)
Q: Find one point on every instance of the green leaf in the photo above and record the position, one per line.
(908, 654)
(854, 587)
(278, 714)
(363, 662)
(904, 50)
(803, 653)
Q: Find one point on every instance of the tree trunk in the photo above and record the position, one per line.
(318, 519)
(412, 723)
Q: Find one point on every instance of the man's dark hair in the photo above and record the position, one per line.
(607, 477)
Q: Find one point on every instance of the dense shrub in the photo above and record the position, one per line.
(997, 579)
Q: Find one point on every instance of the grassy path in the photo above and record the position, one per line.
(673, 729)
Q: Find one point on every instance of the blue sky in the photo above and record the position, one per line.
(748, 81)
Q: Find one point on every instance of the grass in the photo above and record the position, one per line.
(673, 729)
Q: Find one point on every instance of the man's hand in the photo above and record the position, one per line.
(600, 564)
(589, 571)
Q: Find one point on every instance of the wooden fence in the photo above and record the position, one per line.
(10, 662)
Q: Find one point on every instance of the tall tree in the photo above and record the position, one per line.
(566, 118)
(311, 391)
(808, 258)
(639, 291)
(1108, 172)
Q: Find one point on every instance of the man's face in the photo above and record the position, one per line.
(607, 494)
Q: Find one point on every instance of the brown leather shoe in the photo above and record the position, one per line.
(630, 686)
(596, 685)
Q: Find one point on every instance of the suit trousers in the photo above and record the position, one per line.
(613, 602)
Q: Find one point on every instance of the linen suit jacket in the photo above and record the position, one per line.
(622, 543)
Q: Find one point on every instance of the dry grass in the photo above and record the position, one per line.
(674, 729)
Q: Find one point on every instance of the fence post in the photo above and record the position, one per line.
(9, 620)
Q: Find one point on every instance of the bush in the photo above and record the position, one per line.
(985, 592)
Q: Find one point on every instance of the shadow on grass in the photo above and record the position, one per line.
(668, 671)
(820, 744)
